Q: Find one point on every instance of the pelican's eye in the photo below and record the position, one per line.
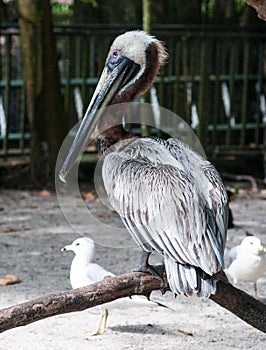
(115, 54)
(114, 58)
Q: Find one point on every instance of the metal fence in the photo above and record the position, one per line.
(215, 79)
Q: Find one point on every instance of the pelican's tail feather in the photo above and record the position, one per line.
(188, 280)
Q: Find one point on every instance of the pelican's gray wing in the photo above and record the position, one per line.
(165, 206)
(209, 184)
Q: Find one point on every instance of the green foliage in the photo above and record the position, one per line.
(64, 12)
(93, 3)
(130, 11)
(61, 9)
(209, 6)
(239, 5)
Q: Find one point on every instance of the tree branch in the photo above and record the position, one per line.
(238, 302)
(259, 6)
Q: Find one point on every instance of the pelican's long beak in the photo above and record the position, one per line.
(112, 80)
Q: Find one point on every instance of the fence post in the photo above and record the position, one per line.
(244, 94)
(264, 154)
(204, 92)
(232, 64)
(7, 93)
(176, 85)
(146, 25)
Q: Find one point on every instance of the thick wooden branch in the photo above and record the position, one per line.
(238, 302)
(259, 6)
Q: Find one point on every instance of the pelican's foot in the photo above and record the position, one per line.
(156, 271)
(144, 266)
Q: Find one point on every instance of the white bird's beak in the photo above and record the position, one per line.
(66, 248)
(262, 249)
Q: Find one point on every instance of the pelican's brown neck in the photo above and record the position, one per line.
(155, 57)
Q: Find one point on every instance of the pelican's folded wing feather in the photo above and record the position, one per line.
(166, 204)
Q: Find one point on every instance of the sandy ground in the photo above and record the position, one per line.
(32, 231)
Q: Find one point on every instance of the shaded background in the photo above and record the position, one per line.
(52, 53)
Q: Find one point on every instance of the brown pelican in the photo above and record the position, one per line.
(169, 198)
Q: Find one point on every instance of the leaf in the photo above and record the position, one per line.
(104, 216)
(9, 279)
(185, 332)
(262, 194)
(90, 196)
(6, 229)
(44, 193)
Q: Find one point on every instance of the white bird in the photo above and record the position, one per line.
(249, 263)
(84, 272)
(232, 254)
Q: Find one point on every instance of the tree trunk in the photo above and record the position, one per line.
(48, 124)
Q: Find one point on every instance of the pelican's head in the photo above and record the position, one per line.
(130, 69)
(140, 57)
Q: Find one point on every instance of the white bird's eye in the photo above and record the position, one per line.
(77, 243)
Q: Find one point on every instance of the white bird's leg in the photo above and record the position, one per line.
(106, 313)
(255, 290)
(103, 318)
(98, 330)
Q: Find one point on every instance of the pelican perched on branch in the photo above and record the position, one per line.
(169, 198)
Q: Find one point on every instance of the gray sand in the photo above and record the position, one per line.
(32, 252)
